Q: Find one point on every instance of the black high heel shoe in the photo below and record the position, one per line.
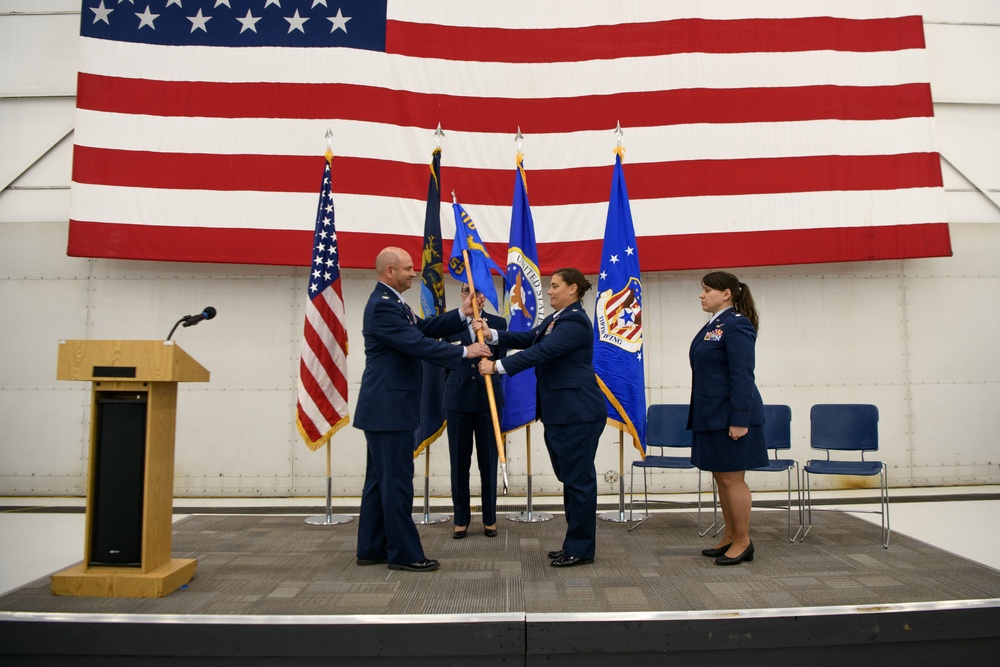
(747, 555)
(717, 551)
(459, 534)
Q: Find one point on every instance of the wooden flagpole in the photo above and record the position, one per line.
(489, 381)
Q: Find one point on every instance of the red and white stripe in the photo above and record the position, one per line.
(756, 133)
(322, 395)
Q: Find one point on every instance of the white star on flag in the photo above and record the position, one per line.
(198, 21)
(338, 21)
(296, 22)
(147, 18)
(249, 22)
(101, 13)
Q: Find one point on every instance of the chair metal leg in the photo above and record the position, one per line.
(645, 496)
(715, 498)
(631, 492)
(809, 506)
(631, 500)
(885, 506)
(715, 511)
(699, 505)
(798, 494)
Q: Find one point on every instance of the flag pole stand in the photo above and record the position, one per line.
(426, 517)
(621, 516)
(529, 516)
(329, 519)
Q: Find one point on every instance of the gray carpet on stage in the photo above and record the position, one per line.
(275, 564)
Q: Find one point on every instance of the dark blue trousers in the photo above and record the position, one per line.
(385, 526)
(461, 428)
(572, 449)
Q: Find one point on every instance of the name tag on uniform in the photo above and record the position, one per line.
(715, 334)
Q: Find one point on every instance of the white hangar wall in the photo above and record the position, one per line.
(916, 337)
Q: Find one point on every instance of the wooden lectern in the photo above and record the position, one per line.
(130, 485)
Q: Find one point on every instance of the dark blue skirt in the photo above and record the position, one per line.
(715, 451)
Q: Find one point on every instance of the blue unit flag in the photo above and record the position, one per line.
(618, 318)
(467, 238)
(432, 302)
(523, 304)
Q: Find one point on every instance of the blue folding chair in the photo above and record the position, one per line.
(666, 427)
(847, 428)
(778, 433)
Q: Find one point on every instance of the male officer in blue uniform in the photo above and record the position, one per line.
(388, 409)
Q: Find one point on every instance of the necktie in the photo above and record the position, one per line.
(409, 313)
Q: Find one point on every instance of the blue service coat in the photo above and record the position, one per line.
(561, 350)
(465, 388)
(389, 399)
(723, 392)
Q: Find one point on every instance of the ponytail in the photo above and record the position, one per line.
(742, 299)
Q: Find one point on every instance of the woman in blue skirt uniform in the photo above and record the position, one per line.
(726, 415)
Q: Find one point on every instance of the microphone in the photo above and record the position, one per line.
(191, 320)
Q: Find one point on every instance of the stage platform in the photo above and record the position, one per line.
(271, 589)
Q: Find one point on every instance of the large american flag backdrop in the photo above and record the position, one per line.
(757, 132)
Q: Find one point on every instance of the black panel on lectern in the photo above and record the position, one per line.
(120, 451)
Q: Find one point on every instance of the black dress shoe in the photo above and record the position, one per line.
(717, 551)
(569, 561)
(556, 554)
(747, 555)
(490, 532)
(371, 561)
(425, 565)
(459, 534)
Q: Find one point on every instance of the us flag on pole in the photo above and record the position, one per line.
(762, 132)
(322, 399)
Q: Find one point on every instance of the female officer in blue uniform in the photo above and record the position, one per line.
(726, 415)
(569, 403)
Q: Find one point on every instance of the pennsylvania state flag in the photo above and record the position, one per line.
(432, 302)
(467, 238)
(618, 318)
(523, 304)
